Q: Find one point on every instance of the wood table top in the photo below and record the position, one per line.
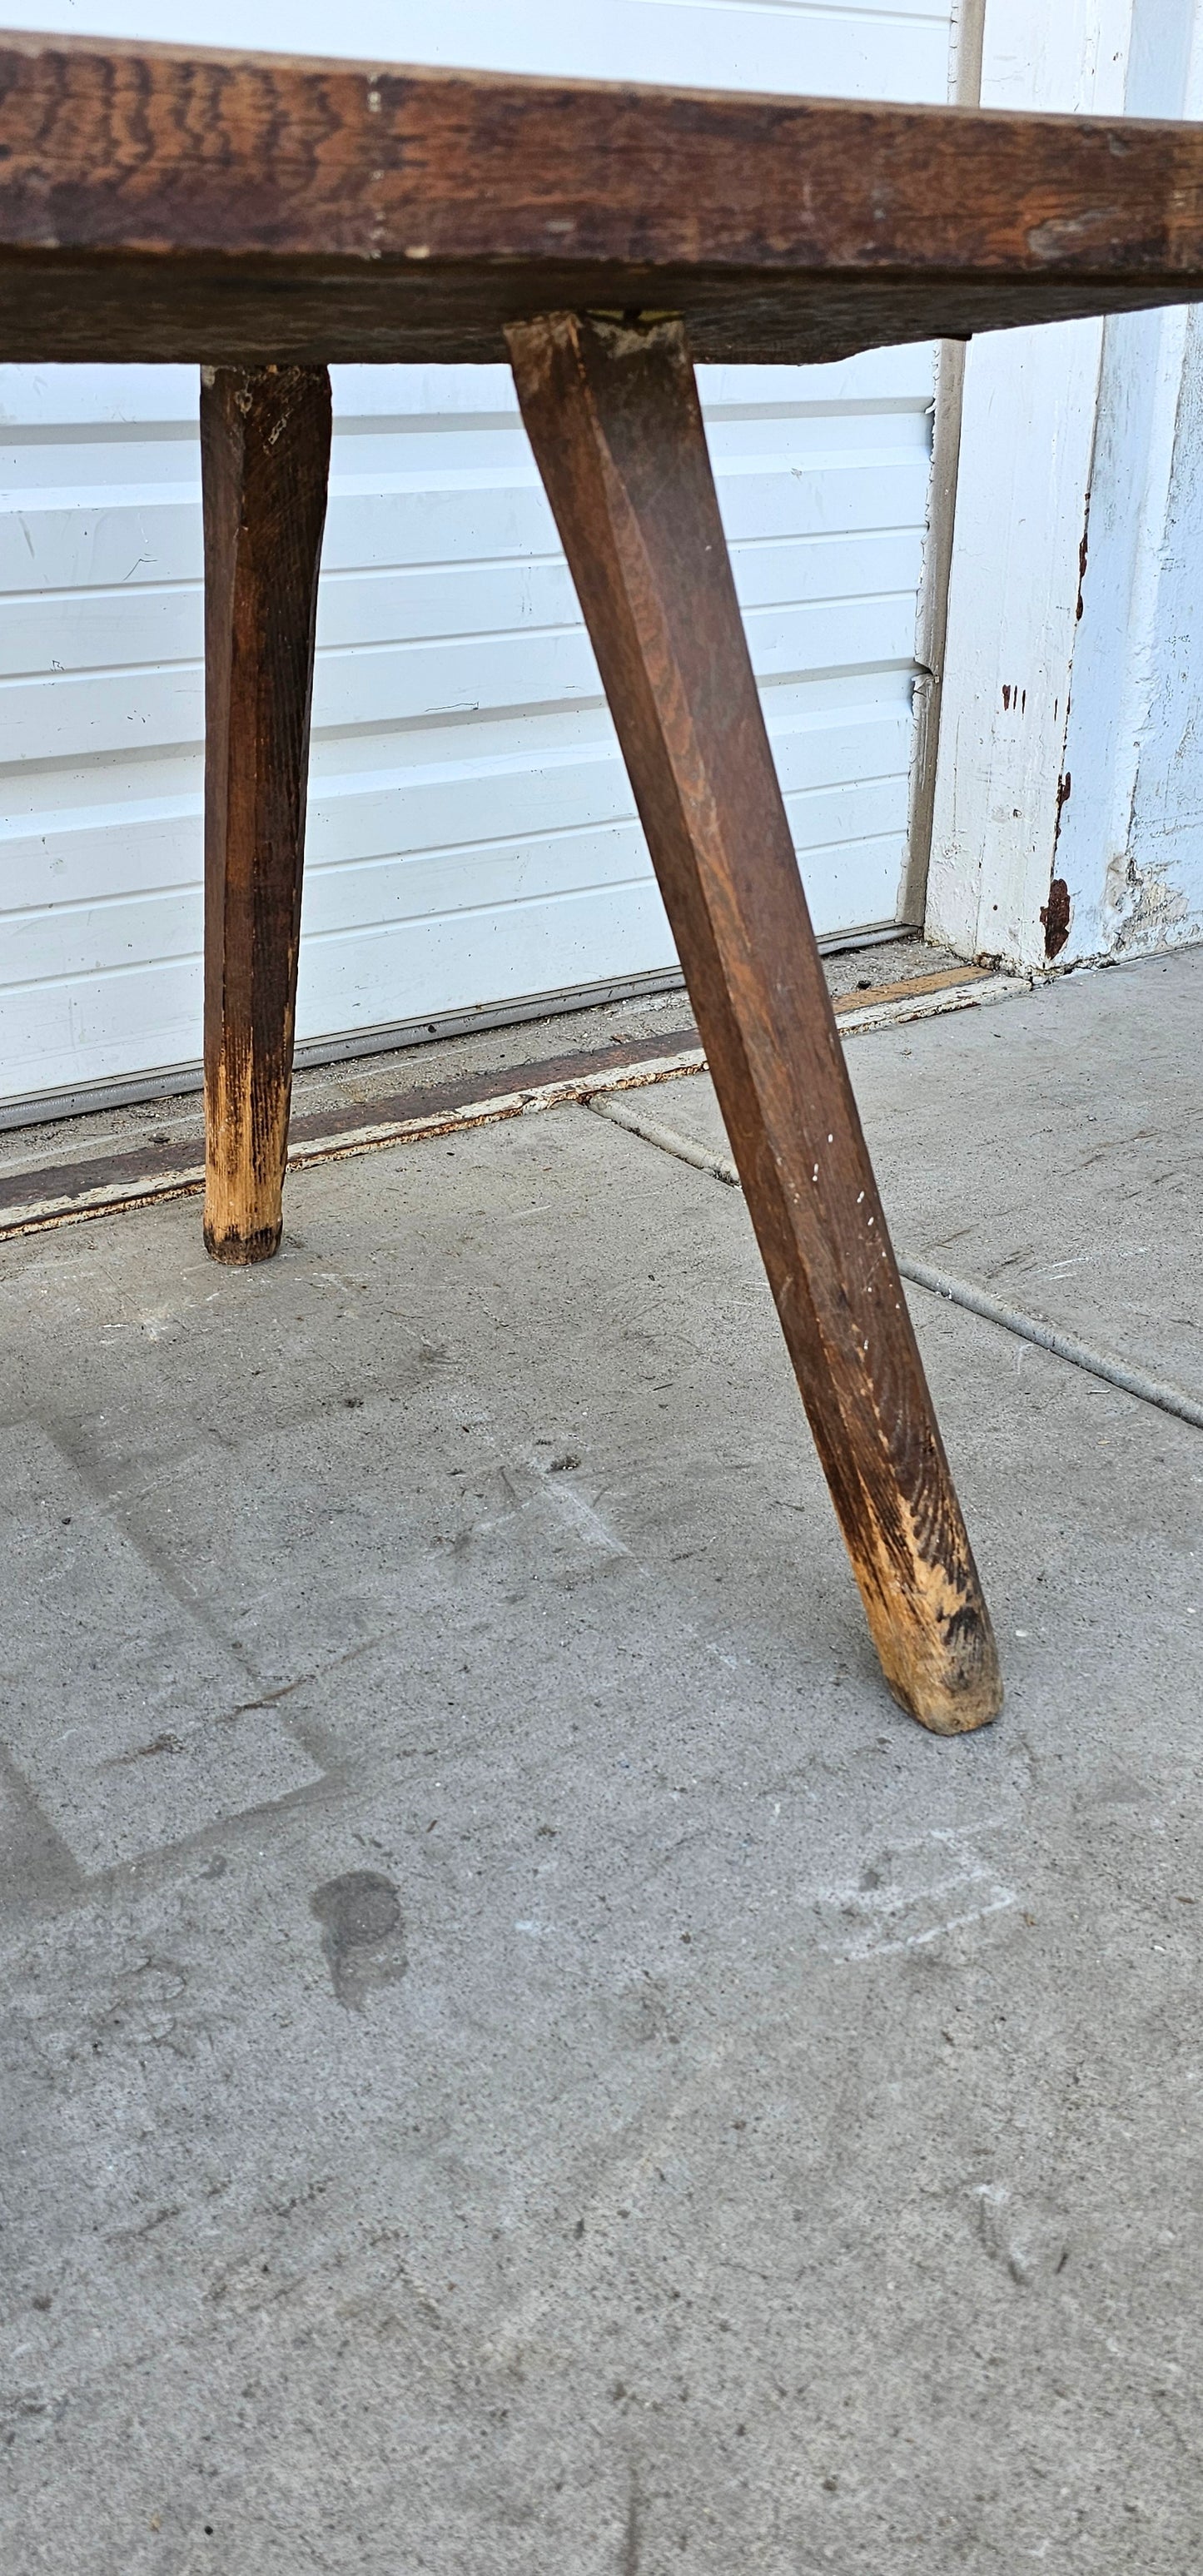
(166, 202)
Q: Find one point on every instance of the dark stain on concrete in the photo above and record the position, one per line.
(363, 1936)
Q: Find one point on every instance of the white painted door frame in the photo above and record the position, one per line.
(1130, 852)
(1026, 449)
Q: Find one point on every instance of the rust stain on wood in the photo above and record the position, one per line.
(1055, 914)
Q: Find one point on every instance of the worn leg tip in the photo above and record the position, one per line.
(237, 1251)
(952, 1703)
(942, 1714)
(950, 1686)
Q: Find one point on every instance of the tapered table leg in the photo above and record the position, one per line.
(265, 452)
(612, 411)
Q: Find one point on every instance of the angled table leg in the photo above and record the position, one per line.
(612, 411)
(265, 451)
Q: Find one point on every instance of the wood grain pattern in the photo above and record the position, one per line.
(265, 452)
(614, 419)
(158, 202)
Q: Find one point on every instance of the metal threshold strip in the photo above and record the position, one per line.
(1119, 1372)
(35, 1195)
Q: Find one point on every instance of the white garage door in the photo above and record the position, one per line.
(472, 846)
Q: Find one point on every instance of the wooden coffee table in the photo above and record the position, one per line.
(266, 217)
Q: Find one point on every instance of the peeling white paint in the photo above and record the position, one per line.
(1026, 439)
(1070, 745)
(1132, 847)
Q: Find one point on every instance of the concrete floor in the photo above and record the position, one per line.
(518, 2059)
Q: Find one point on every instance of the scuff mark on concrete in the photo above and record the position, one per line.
(363, 1937)
(1031, 2241)
(912, 1895)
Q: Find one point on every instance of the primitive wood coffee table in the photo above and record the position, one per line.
(267, 217)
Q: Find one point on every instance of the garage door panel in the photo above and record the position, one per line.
(837, 47)
(410, 801)
(420, 813)
(836, 635)
(399, 889)
(106, 536)
(48, 1024)
(455, 518)
(60, 631)
(103, 541)
(401, 604)
(104, 700)
(114, 535)
(472, 833)
(65, 854)
(861, 877)
(573, 940)
(406, 449)
(553, 667)
(845, 776)
(117, 938)
(81, 974)
(99, 630)
(842, 565)
(135, 401)
(866, 809)
(103, 711)
(425, 964)
(403, 886)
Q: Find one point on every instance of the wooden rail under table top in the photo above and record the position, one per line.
(266, 217)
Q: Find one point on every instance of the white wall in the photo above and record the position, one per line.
(845, 48)
(1069, 743)
(1131, 842)
(1027, 438)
